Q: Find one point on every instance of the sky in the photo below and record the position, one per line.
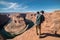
(29, 5)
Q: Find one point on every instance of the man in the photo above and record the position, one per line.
(39, 20)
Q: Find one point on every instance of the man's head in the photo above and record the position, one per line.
(42, 12)
(38, 12)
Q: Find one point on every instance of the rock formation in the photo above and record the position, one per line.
(50, 25)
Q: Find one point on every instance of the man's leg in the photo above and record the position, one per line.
(37, 29)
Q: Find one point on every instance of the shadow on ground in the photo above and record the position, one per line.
(43, 35)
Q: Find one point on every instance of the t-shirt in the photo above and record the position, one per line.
(40, 18)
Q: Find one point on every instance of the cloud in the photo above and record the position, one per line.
(51, 10)
(13, 6)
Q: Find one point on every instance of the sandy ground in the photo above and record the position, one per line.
(31, 35)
